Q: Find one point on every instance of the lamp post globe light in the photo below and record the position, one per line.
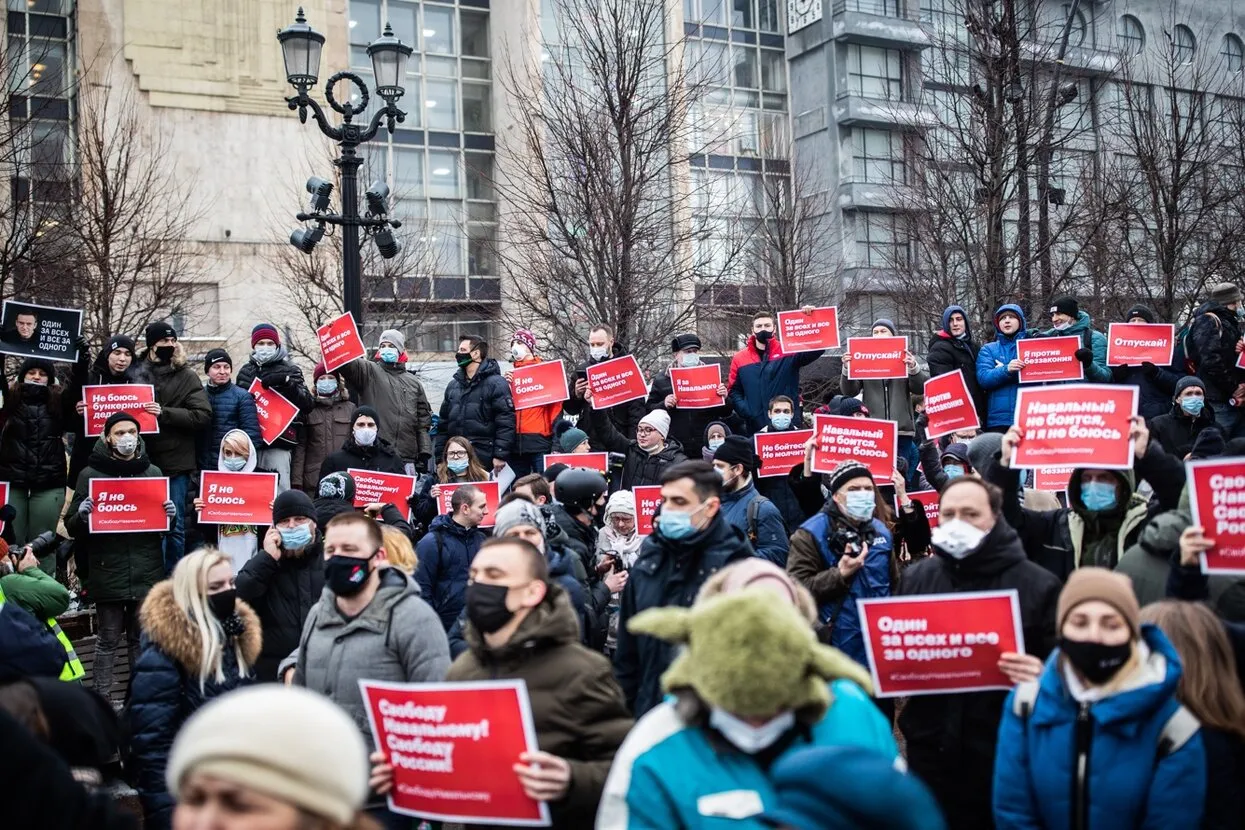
(301, 47)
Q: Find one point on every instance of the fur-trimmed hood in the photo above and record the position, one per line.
(172, 632)
(145, 361)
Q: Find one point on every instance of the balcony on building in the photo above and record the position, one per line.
(862, 195)
(889, 23)
(852, 110)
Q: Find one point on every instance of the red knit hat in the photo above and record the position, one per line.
(320, 371)
(265, 331)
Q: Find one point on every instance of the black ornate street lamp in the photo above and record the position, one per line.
(301, 46)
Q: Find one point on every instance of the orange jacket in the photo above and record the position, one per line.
(538, 420)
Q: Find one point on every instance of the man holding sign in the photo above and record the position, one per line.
(123, 566)
(1067, 320)
(688, 425)
(952, 737)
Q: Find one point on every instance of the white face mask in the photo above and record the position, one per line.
(126, 444)
(519, 352)
(263, 354)
(748, 738)
(957, 538)
(689, 360)
(1061, 326)
(598, 352)
(365, 436)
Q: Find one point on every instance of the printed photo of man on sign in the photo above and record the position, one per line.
(27, 329)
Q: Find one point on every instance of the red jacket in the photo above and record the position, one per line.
(538, 420)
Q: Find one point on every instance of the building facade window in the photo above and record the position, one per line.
(874, 72)
(1131, 35)
(1184, 44)
(881, 240)
(878, 156)
(1233, 52)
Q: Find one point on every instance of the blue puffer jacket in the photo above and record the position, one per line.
(232, 408)
(999, 384)
(1131, 782)
(872, 580)
(712, 776)
(445, 554)
(757, 377)
(771, 532)
(1096, 341)
(165, 690)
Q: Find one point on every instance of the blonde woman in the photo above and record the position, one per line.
(398, 549)
(199, 642)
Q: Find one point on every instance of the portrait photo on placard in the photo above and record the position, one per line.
(45, 331)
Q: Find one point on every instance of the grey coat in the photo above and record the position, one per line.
(397, 639)
(1148, 562)
(888, 400)
(399, 398)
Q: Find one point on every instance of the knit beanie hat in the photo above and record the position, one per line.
(284, 741)
(983, 449)
(850, 406)
(890, 324)
(1187, 381)
(844, 472)
(552, 472)
(1143, 311)
(659, 420)
(395, 337)
(526, 337)
(365, 411)
(116, 418)
(1115, 589)
(291, 504)
(1224, 293)
(119, 341)
(157, 331)
(1209, 443)
(319, 371)
(621, 502)
(265, 331)
(216, 356)
(37, 363)
(516, 514)
(737, 450)
(568, 436)
(339, 486)
(1065, 305)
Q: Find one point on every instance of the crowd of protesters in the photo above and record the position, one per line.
(712, 672)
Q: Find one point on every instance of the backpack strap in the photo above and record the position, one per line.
(754, 510)
(1024, 699)
(1178, 731)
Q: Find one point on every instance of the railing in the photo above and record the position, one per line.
(881, 8)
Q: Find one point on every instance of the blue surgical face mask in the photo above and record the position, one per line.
(326, 387)
(953, 470)
(675, 524)
(296, 537)
(388, 354)
(458, 466)
(235, 464)
(1193, 406)
(1098, 496)
(689, 360)
(263, 354)
(714, 443)
(860, 504)
(780, 421)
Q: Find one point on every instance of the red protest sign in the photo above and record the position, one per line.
(940, 643)
(539, 384)
(696, 387)
(1077, 425)
(237, 498)
(1240, 361)
(340, 342)
(1217, 500)
(873, 443)
(276, 413)
(453, 747)
(1131, 344)
(928, 499)
(128, 505)
(780, 451)
(616, 381)
(102, 402)
(1052, 479)
(598, 461)
(491, 497)
(647, 500)
(948, 405)
(876, 358)
(1050, 359)
(813, 332)
(383, 488)
(4, 499)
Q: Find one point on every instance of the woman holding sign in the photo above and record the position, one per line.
(199, 642)
(237, 455)
(32, 452)
(1099, 740)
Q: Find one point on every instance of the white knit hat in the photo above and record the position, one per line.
(284, 741)
(622, 501)
(659, 420)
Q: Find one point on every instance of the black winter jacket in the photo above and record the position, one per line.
(687, 426)
(282, 592)
(624, 416)
(99, 375)
(640, 467)
(481, 410)
(1213, 339)
(165, 691)
(185, 411)
(1155, 387)
(378, 458)
(951, 738)
(232, 408)
(282, 376)
(1176, 431)
(32, 449)
(946, 354)
(667, 572)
